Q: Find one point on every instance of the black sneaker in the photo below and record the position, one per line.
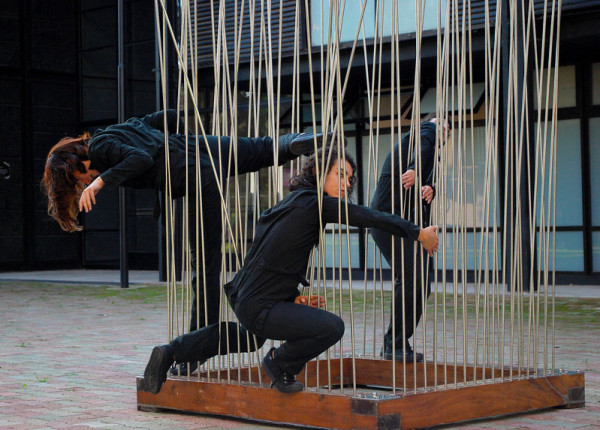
(304, 143)
(156, 370)
(184, 369)
(283, 381)
(401, 353)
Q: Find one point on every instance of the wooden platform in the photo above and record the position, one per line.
(374, 406)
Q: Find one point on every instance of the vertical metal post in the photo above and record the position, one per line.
(124, 266)
(162, 265)
(509, 183)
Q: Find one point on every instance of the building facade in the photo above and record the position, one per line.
(66, 83)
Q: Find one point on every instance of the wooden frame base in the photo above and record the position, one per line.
(374, 406)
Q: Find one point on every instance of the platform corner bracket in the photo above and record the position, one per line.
(576, 397)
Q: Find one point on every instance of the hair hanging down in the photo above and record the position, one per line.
(307, 178)
(59, 183)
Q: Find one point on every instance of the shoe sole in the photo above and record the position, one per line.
(152, 375)
(388, 356)
(305, 146)
(294, 388)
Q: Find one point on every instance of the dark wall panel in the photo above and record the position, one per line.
(13, 254)
(11, 190)
(53, 31)
(101, 247)
(99, 101)
(10, 49)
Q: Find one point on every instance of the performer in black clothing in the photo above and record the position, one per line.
(264, 293)
(408, 311)
(132, 154)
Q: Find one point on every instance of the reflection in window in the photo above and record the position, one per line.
(429, 99)
(566, 88)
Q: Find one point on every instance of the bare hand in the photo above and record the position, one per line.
(429, 239)
(408, 179)
(315, 301)
(88, 196)
(427, 193)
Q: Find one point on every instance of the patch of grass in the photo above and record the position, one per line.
(42, 379)
(147, 294)
(567, 310)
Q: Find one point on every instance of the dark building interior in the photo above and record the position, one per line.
(58, 77)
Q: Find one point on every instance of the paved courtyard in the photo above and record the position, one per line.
(70, 353)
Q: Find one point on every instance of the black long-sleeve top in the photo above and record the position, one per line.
(130, 154)
(286, 234)
(382, 198)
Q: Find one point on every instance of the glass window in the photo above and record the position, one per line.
(569, 251)
(566, 88)
(473, 205)
(567, 177)
(406, 19)
(407, 16)
(332, 249)
(594, 170)
(374, 257)
(487, 248)
(596, 83)
(321, 28)
(596, 250)
(466, 203)
(373, 157)
(382, 106)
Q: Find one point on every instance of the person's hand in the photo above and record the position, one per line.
(408, 179)
(315, 301)
(88, 196)
(427, 193)
(429, 239)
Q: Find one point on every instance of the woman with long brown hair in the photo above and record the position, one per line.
(61, 181)
(132, 154)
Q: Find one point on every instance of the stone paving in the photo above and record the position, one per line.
(69, 356)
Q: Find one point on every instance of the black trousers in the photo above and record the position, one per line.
(408, 280)
(252, 155)
(307, 332)
(214, 339)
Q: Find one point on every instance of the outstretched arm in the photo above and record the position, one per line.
(362, 216)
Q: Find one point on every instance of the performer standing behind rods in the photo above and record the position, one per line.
(264, 293)
(407, 274)
(132, 154)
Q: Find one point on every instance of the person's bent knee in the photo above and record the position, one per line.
(334, 330)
